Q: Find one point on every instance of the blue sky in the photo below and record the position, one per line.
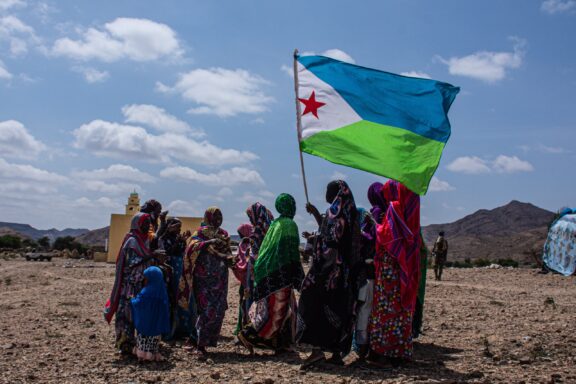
(192, 102)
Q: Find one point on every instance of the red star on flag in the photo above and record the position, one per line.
(311, 104)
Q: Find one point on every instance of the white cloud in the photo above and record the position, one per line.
(437, 185)
(4, 73)
(124, 38)
(557, 6)
(419, 74)
(338, 54)
(185, 208)
(117, 140)
(552, 150)
(511, 164)
(100, 203)
(14, 189)
(15, 141)
(7, 4)
(221, 92)
(18, 35)
(501, 164)
(92, 75)
(469, 165)
(487, 66)
(158, 119)
(14, 171)
(334, 53)
(116, 172)
(226, 177)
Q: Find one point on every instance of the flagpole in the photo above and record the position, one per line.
(299, 124)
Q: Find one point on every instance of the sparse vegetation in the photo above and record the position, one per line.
(11, 242)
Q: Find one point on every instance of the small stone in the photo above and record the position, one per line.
(8, 346)
(215, 375)
(525, 361)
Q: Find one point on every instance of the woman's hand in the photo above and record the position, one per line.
(311, 209)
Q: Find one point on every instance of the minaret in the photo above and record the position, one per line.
(133, 206)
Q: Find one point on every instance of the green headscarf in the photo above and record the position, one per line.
(278, 264)
(286, 205)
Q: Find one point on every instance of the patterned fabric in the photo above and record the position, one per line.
(205, 278)
(132, 283)
(147, 344)
(272, 321)
(174, 245)
(390, 325)
(399, 235)
(240, 270)
(135, 241)
(397, 269)
(197, 243)
(278, 265)
(560, 246)
(243, 255)
(210, 294)
(261, 218)
(329, 291)
(277, 272)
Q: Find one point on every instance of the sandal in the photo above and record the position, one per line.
(315, 357)
(246, 343)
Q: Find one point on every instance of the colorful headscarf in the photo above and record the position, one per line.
(210, 230)
(261, 218)
(341, 215)
(151, 308)
(379, 204)
(136, 240)
(399, 235)
(286, 205)
(278, 264)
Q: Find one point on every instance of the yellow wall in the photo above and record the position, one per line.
(120, 225)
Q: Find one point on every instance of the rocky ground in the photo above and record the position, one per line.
(481, 326)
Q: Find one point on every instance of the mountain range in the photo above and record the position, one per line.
(28, 231)
(516, 231)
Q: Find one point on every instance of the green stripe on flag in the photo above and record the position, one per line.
(381, 149)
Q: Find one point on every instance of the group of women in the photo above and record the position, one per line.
(360, 290)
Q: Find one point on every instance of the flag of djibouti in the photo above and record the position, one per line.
(391, 125)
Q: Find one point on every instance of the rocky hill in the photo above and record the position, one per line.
(6, 231)
(517, 231)
(29, 231)
(93, 238)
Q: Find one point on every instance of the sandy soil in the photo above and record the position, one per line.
(481, 326)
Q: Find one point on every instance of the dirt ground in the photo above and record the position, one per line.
(481, 326)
